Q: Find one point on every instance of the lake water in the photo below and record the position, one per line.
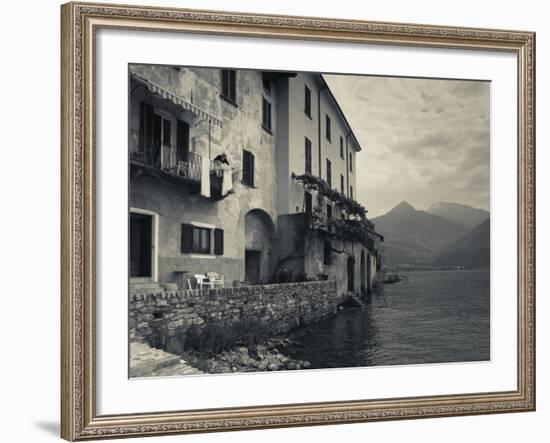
(434, 317)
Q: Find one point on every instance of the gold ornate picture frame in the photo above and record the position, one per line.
(80, 23)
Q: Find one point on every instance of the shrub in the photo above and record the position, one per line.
(221, 335)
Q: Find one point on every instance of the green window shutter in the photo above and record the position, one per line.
(218, 241)
(186, 238)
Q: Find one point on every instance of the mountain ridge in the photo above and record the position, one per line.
(414, 237)
(471, 250)
(459, 213)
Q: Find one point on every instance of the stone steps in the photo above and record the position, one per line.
(178, 369)
(146, 361)
(358, 300)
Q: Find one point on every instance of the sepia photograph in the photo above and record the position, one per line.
(284, 220)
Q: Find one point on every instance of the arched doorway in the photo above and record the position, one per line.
(259, 231)
(369, 274)
(363, 271)
(351, 274)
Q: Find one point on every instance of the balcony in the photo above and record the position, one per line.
(352, 229)
(162, 162)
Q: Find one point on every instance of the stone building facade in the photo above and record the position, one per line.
(263, 212)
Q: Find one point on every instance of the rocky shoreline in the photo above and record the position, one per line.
(270, 355)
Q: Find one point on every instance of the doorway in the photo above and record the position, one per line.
(252, 265)
(141, 245)
(363, 272)
(351, 274)
(369, 274)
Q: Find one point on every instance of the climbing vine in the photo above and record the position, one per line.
(349, 205)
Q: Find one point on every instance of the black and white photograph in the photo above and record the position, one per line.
(284, 220)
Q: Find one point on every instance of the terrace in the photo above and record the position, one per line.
(353, 224)
(166, 163)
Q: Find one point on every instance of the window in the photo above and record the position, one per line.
(329, 173)
(308, 155)
(266, 81)
(248, 168)
(229, 85)
(307, 101)
(266, 115)
(342, 184)
(327, 128)
(341, 147)
(350, 162)
(201, 240)
(198, 239)
(350, 191)
(308, 202)
(329, 217)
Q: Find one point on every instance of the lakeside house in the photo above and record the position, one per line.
(247, 174)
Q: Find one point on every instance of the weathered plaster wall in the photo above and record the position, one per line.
(277, 155)
(241, 130)
(163, 319)
(303, 252)
(337, 269)
(260, 233)
(303, 126)
(175, 205)
(289, 246)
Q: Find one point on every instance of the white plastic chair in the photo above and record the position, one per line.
(215, 279)
(203, 281)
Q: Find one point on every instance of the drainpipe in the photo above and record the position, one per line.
(319, 127)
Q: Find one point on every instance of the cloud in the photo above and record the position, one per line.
(423, 140)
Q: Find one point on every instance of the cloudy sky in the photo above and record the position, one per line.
(423, 141)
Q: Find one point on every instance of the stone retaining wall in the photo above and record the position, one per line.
(162, 319)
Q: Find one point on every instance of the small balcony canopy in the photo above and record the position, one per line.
(177, 100)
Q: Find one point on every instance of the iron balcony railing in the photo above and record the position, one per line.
(355, 230)
(165, 158)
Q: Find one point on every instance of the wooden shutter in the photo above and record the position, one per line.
(248, 168)
(251, 169)
(218, 241)
(142, 123)
(307, 105)
(233, 85)
(225, 82)
(183, 141)
(186, 238)
(146, 112)
(308, 155)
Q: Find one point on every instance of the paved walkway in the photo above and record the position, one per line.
(146, 361)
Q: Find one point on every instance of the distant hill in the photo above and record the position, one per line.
(458, 213)
(471, 250)
(413, 237)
